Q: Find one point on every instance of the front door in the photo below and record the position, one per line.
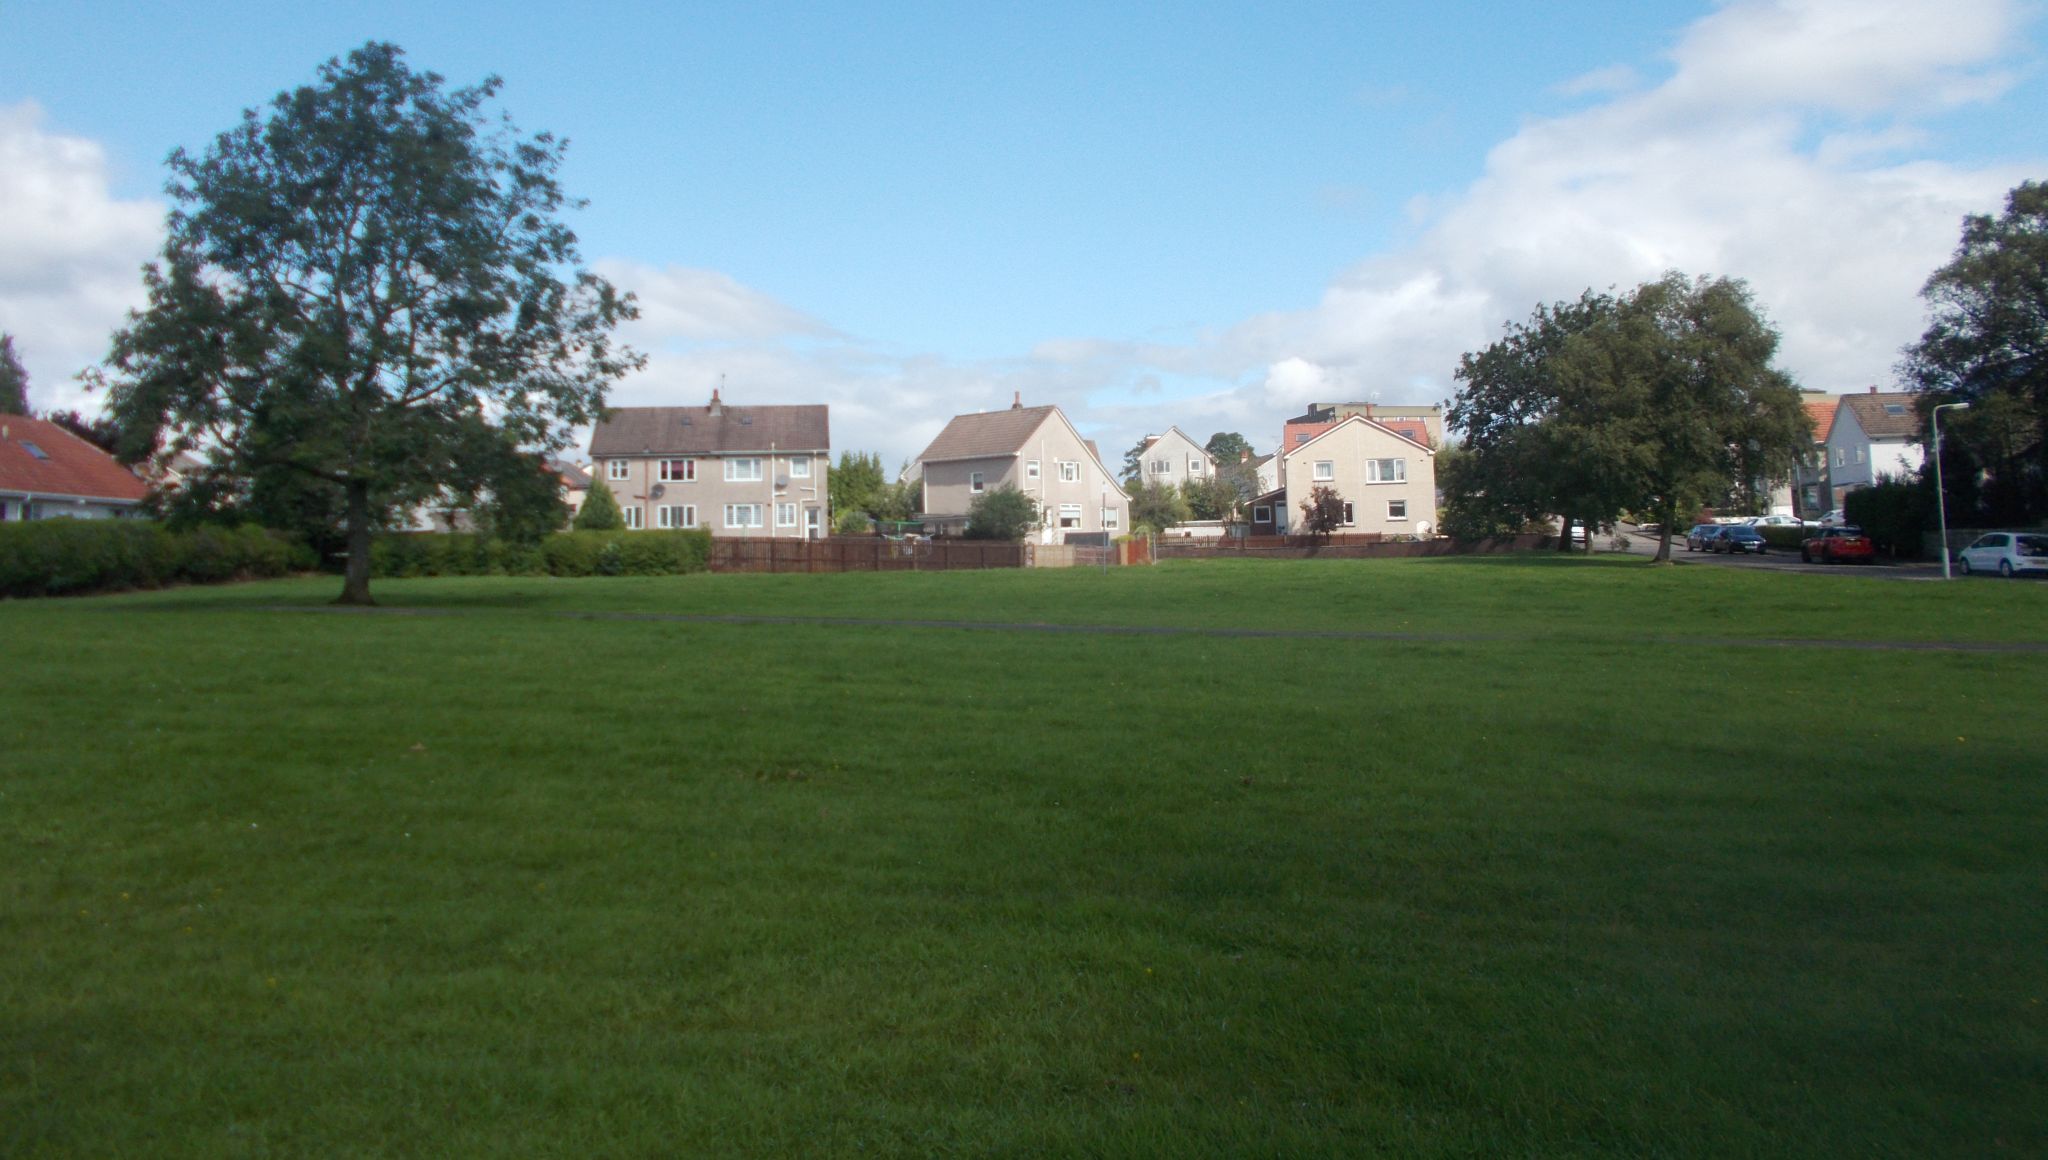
(811, 518)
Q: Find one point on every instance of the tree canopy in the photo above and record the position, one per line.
(1987, 344)
(13, 379)
(856, 483)
(600, 511)
(1227, 447)
(367, 290)
(1653, 401)
(1156, 507)
(1322, 512)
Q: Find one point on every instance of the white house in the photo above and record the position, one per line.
(1874, 434)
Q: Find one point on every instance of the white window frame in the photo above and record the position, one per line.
(1112, 519)
(1859, 453)
(618, 469)
(1350, 519)
(1323, 471)
(687, 475)
(751, 509)
(1070, 511)
(1031, 469)
(1397, 509)
(676, 515)
(635, 519)
(1376, 471)
(785, 514)
(1195, 466)
(799, 467)
(1262, 513)
(1070, 471)
(975, 482)
(734, 474)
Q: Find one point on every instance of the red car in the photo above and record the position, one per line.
(1834, 545)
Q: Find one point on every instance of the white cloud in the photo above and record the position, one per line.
(678, 302)
(70, 253)
(1770, 153)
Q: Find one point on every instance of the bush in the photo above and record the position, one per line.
(660, 553)
(1893, 514)
(70, 557)
(1785, 536)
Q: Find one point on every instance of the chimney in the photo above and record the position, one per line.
(1873, 388)
(1017, 400)
(1244, 456)
(717, 408)
(1368, 410)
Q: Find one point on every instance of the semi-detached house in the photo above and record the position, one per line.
(737, 471)
(1034, 449)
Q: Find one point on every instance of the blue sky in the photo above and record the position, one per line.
(1207, 215)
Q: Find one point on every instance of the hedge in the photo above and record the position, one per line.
(653, 553)
(70, 557)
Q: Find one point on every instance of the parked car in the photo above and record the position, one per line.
(1738, 538)
(1697, 539)
(1779, 522)
(1833, 519)
(2007, 553)
(1833, 545)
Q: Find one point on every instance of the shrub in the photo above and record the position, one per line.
(69, 557)
(600, 511)
(1892, 513)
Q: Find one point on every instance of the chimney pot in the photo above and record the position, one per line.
(1017, 400)
(1873, 388)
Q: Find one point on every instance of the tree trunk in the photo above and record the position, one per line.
(355, 584)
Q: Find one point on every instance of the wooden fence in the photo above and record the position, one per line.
(860, 554)
(1365, 545)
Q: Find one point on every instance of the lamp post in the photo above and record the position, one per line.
(1940, 495)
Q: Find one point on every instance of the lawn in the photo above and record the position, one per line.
(1545, 857)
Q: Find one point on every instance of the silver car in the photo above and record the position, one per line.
(2006, 553)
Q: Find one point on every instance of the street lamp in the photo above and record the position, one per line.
(1940, 496)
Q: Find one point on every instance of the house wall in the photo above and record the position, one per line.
(808, 497)
(1182, 459)
(1348, 448)
(1855, 460)
(948, 490)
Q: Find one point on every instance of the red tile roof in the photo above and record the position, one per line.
(1823, 416)
(69, 466)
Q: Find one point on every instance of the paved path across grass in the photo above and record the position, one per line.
(1183, 630)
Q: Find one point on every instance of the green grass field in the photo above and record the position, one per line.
(1555, 858)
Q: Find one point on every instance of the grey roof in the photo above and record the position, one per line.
(697, 431)
(572, 475)
(986, 434)
(1874, 414)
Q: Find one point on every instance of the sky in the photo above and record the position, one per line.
(1201, 214)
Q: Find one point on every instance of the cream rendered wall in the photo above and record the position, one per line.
(947, 490)
(1348, 447)
(711, 491)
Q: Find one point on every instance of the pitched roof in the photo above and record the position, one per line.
(985, 434)
(713, 430)
(571, 475)
(1375, 424)
(1823, 415)
(66, 465)
(1885, 415)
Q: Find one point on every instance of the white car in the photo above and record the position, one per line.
(1779, 522)
(2006, 553)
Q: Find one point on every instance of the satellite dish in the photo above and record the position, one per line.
(660, 489)
(781, 481)
(1422, 527)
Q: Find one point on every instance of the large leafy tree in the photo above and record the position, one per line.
(1227, 447)
(368, 289)
(1987, 344)
(1156, 507)
(1651, 401)
(13, 379)
(856, 482)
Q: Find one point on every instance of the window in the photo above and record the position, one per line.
(785, 515)
(1031, 469)
(1397, 509)
(1111, 519)
(1070, 472)
(1194, 465)
(1894, 408)
(1160, 467)
(1386, 470)
(678, 471)
(34, 450)
(634, 517)
(672, 515)
(1326, 470)
(1859, 453)
(1301, 437)
(1070, 515)
(1841, 457)
(615, 469)
(743, 515)
(1350, 516)
(974, 482)
(1262, 513)
(743, 471)
(799, 467)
